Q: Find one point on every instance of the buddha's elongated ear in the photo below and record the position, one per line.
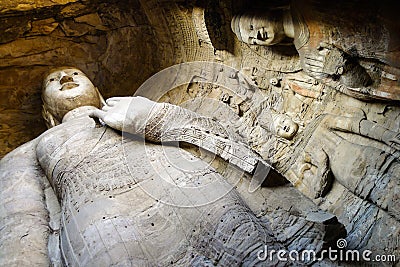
(49, 118)
(102, 102)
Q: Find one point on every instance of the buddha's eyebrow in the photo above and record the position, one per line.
(58, 75)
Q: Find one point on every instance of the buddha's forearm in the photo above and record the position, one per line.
(173, 123)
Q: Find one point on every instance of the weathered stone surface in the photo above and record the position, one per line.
(42, 27)
(92, 20)
(73, 35)
(74, 9)
(13, 27)
(70, 28)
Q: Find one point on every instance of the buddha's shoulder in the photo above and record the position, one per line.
(77, 135)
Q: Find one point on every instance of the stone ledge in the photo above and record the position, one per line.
(7, 6)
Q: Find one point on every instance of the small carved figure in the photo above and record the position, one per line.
(365, 69)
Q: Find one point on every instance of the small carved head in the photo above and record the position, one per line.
(65, 89)
(260, 28)
(284, 126)
(279, 124)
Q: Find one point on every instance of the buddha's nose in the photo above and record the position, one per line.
(66, 79)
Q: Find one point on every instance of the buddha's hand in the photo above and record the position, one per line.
(128, 114)
(315, 171)
(328, 60)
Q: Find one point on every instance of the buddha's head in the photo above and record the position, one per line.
(260, 28)
(66, 89)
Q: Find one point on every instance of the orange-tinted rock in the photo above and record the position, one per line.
(42, 27)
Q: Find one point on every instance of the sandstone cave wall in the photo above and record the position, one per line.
(111, 41)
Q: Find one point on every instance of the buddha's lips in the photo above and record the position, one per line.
(68, 86)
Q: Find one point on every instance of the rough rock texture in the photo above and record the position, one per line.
(130, 220)
(344, 157)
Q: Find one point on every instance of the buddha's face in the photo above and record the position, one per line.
(284, 126)
(259, 29)
(67, 88)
